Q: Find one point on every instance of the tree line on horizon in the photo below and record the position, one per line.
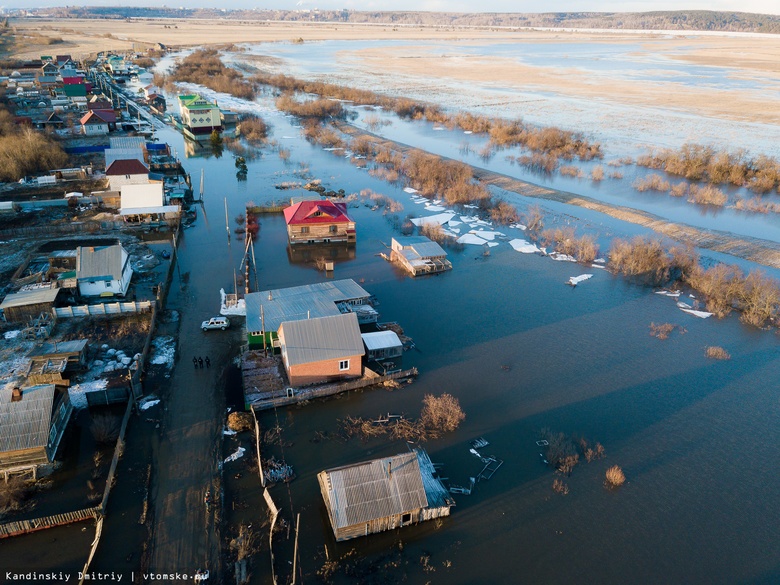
(683, 20)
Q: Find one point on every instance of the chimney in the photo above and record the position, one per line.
(16, 394)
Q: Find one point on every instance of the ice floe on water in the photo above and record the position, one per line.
(668, 293)
(409, 190)
(437, 219)
(695, 313)
(434, 208)
(471, 238)
(562, 257)
(518, 226)
(78, 392)
(575, 280)
(492, 244)
(238, 453)
(163, 351)
(524, 246)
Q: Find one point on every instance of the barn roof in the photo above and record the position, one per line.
(131, 166)
(383, 487)
(100, 262)
(30, 297)
(320, 211)
(25, 424)
(325, 338)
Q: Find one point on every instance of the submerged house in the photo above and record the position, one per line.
(319, 221)
(419, 255)
(320, 350)
(383, 494)
(199, 116)
(32, 421)
(267, 310)
(103, 271)
(383, 345)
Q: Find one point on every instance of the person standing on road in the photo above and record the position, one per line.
(208, 362)
(200, 362)
(195, 361)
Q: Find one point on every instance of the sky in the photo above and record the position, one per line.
(760, 6)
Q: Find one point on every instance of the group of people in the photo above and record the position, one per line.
(199, 361)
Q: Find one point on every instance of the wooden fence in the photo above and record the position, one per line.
(301, 395)
(25, 526)
(103, 309)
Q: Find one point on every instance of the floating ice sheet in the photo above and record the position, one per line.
(435, 208)
(575, 280)
(562, 257)
(523, 246)
(471, 239)
(437, 219)
(699, 314)
(410, 190)
(233, 456)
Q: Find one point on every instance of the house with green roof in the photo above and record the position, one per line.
(198, 115)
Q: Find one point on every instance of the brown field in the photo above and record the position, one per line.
(750, 56)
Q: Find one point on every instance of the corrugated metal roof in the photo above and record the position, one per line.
(30, 297)
(50, 348)
(375, 489)
(299, 302)
(129, 142)
(97, 262)
(325, 338)
(316, 211)
(25, 424)
(424, 247)
(381, 340)
(113, 154)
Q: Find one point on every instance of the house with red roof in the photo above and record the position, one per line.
(126, 172)
(319, 221)
(98, 122)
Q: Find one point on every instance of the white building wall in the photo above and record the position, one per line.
(141, 195)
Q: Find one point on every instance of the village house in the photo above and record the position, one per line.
(103, 271)
(94, 123)
(126, 172)
(383, 494)
(320, 350)
(32, 421)
(419, 255)
(267, 310)
(198, 115)
(319, 221)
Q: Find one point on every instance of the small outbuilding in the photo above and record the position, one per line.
(383, 494)
(24, 305)
(419, 255)
(321, 350)
(32, 421)
(382, 345)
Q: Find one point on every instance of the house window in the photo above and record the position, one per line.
(343, 365)
(406, 518)
(333, 229)
(304, 230)
(108, 284)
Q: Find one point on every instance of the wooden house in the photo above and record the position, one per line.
(321, 350)
(419, 255)
(383, 494)
(92, 124)
(32, 421)
(103, 271)
(73, 352)
(320, 221)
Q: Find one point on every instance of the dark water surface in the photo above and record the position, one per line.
(696, 437)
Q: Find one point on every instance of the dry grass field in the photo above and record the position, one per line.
(749, 57)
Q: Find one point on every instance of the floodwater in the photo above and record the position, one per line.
(523, 351)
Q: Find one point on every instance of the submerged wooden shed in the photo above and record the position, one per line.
(383, 494)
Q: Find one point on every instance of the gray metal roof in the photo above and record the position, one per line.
(324, 338)
(375, 489)
(63, 254)
(25, 424)
(30, 297)
(424, 247)
(381, 340)
(100, 262)
(299, 302)
(51, 348)
(128, 142)
(113, 154)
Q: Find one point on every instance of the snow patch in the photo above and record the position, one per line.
(163, 351)
(78, 392)
(232, 457)
(11, 334)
